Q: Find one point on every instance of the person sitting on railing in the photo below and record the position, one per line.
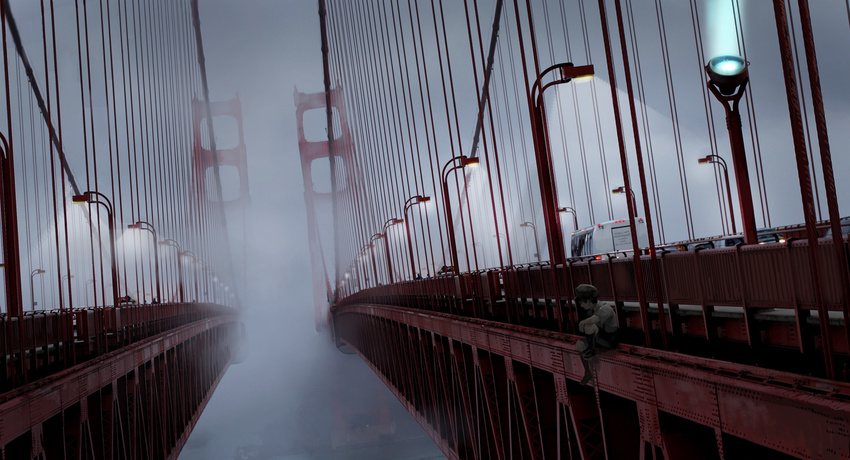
(599, 328)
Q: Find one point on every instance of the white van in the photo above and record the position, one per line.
(608, 237)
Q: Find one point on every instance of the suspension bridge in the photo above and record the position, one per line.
(121, 306)
(452, 140)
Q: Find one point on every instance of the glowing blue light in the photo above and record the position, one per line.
(727, 65)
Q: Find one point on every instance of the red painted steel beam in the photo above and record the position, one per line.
(645, 399)
(103, 404)
(772, 310)
(46, 332)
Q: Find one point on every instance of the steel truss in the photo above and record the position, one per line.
(484, 389)
(139, 402)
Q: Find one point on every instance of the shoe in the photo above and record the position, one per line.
(587, 378)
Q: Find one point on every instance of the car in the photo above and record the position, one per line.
(770, 235)
(126, 300)
(446, 270)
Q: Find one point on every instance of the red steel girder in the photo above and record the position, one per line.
(137, 402)
(645, 403)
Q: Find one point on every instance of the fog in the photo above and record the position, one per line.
(281, 402)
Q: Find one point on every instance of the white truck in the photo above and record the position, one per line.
(609, 237)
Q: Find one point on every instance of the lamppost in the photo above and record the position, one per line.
(407, 204)
(95, 197)
(364, 266)
(543, 155)
(477, 245)
(457, 162)
(727, 80)
(170, 242)
(37, 271)
(630, 195)
(372, 240)
(195, 261)
(571, 211)
(389, 223)
(207, 274)
(502, 236)
(66, 277)
(142, 225)
(536, 244)
(86, 288)
(719, 160)
(214, 284)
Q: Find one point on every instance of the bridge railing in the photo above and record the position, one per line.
(756, 295)
(55, 340)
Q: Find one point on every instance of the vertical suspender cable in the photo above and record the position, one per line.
(202, 63)
(435, 156)
(662, 320)
(644, 308)
(330, 130)
(805, 184)
(54, 138)
(66, 328)
(598, 123)
(674, 117)
(807, 131)
(483, 104)
(647, 132)
(706, 98)
(52, 165)
(753, 122)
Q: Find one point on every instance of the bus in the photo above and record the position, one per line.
(608, 237)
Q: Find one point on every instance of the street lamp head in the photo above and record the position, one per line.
(469, 161)
(619, 190)
(84, 198)
(39, 271)
(526, 224)
(135, 226)
(727, 72)
(570, 72)
(422, 199)
(397, 221)
(704, 160)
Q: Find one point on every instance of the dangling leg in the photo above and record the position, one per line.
(585, 352)
(590, 342)
(588, 374)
